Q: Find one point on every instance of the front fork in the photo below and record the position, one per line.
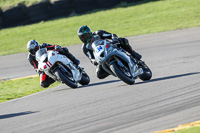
(137, 71)
(133, 68)
(64, 69)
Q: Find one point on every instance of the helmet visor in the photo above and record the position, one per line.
(85, 38)
(33, 51)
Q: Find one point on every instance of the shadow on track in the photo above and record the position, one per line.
(169, 77)
(16, 114)
(92, 84)
(100, 83)
(143, 82)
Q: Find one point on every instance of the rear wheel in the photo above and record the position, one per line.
(123, 73)
(65, 79)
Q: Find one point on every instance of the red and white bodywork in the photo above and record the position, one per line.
(47, 59)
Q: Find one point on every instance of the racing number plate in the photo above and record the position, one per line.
(99, 48)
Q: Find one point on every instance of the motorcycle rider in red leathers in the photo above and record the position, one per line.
(33, 46)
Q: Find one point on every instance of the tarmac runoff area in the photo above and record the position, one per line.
(171, 130)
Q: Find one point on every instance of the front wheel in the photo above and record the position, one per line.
(63, 77)
(85, 79)
(147, 72)
(122, 73)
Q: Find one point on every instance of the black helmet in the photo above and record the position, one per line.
(85, 34)
(32, 46)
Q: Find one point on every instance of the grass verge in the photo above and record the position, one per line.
(127, 20)
(193, 127)
(190, 130)
(12, 89)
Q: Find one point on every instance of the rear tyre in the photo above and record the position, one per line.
(64, 79)
(120, 74)
(85, 80)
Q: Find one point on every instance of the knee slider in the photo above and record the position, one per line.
(44, 84)
(65, 50)
(126, 41)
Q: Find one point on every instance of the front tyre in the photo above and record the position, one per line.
(127, 78)
(62, 77)
(147, 72)
(85, 79)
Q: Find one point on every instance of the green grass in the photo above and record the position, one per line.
(146, 18)
(12, 89)
(190, 130)
(5, 4)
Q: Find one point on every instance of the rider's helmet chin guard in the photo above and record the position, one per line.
(85, 34)
(32, 46)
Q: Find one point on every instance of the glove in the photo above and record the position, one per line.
(115, 40)
(94, 62)
(115, 45)
(57, 47)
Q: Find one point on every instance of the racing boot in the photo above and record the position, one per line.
(73, 59)
(126, 46)
(135, 55)
(66, 52)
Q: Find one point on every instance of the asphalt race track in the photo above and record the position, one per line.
(171, 98)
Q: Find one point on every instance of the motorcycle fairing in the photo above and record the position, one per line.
(54, 57)
(104, 47)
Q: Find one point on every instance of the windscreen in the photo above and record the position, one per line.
(99, 42)
(41, 54)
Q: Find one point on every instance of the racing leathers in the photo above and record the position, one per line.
(45, 80)
(87, 49)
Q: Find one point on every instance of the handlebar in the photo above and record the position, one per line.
(115, 44)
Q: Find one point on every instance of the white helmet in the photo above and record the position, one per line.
(32, 46)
